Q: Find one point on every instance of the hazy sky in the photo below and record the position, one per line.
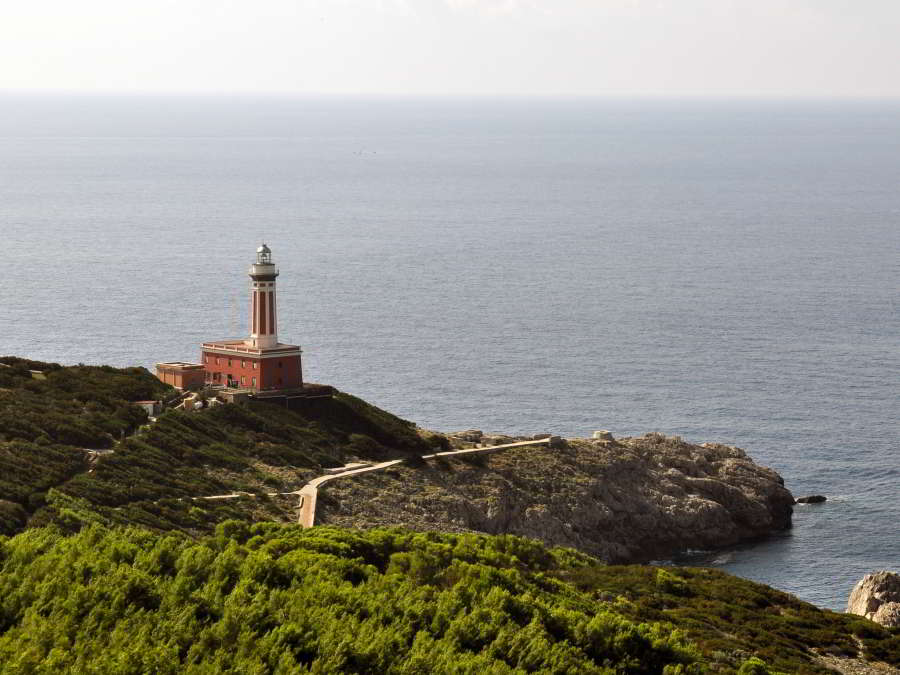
(665, 47)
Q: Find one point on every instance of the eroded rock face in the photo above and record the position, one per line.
(624, 500)
(877, 597)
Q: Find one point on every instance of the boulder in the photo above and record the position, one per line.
(603, 435)
(811, 499)
(877, 597)
(496, 439)
(467, 436)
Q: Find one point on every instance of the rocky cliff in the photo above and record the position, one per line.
(631, 499)
(877, 597)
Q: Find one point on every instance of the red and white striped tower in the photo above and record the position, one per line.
(263, 316)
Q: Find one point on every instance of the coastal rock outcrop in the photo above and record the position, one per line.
(877, 597)
(632, 499)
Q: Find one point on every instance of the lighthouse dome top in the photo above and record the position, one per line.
(263, 255)
(263, 269)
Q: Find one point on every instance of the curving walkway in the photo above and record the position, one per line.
(309, 493)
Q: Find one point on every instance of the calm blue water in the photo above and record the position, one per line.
(724, 271)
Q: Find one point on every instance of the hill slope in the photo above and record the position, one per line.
(624, 501)
(149, 478)
(80, 591)
(270, 598)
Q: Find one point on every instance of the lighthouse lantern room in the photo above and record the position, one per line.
(260, 362)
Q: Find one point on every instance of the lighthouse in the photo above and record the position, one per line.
(263, 319)
(258, 363)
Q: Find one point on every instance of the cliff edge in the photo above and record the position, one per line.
(626, 500)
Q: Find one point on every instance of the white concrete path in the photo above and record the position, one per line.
(309, 493)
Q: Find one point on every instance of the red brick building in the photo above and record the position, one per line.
(233, 364)
(260, 362)
(181, 375)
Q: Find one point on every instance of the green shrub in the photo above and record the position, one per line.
(723, 615)
(753, 666)
(254, 599)
(668, 582)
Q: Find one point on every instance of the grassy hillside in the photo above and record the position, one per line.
(47, 420)
(151, 475)
(116, 568)
(269, 598)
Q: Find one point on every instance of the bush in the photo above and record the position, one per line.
(753, 666)
(723, 614)
(667, 582)
(325, 600)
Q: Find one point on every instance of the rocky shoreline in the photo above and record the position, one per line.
(622, 500)
(877, 597)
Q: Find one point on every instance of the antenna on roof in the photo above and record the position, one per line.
(234, 313)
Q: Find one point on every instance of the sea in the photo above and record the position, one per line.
(720, 270)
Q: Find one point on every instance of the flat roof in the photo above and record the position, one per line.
(242, 346)
(179, 365)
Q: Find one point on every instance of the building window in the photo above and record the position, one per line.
(254, 365)
(253, 379)
(229, 363)
(243, 364)
(243, 379)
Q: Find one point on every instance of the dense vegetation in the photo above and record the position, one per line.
(151, 476)
(270, 598)
(726, 615)
(119, 570)
(81, 406)
(49, 417)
